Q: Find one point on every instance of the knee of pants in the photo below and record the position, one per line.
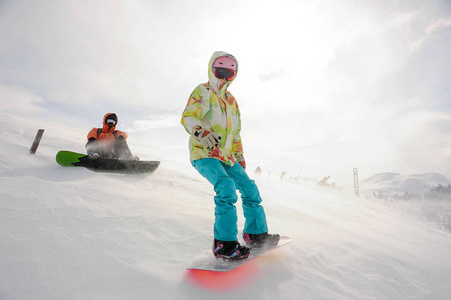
(252, 190)
(225, 192)
(250, 194)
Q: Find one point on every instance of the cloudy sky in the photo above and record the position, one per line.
(324, 86)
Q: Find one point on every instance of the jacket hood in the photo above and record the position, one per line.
(212, 79)
(109, 116)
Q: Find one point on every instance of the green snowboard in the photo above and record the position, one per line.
(73, 159)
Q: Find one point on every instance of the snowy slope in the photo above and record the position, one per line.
(68, 233)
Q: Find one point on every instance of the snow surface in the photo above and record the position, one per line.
(69, 233)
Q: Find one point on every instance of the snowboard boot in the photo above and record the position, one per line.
(229, 250)
(261, 240)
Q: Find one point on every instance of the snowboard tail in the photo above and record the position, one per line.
(74, 159)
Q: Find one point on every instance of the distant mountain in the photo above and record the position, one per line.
(397, 183)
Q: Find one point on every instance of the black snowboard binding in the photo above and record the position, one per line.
(230, 250)
(261, 240)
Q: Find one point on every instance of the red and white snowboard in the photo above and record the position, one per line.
(220, 265)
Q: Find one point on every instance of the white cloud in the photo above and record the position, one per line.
(20, 100)
(155, 122)
(437, 25)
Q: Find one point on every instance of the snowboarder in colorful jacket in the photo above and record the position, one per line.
(212, 118)
(108, 142)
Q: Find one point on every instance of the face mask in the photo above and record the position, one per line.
(110, 122)
(223, 73)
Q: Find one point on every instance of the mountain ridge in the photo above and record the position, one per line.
(399, 183)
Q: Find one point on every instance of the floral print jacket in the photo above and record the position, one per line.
(212, 107)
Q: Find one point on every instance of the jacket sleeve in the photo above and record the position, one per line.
(196, 108)
(237, 145)
(122, 133)
(93, 134)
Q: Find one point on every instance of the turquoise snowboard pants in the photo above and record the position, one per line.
(226, 180)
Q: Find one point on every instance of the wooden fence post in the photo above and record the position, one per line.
(356, 183)
(37, 139)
